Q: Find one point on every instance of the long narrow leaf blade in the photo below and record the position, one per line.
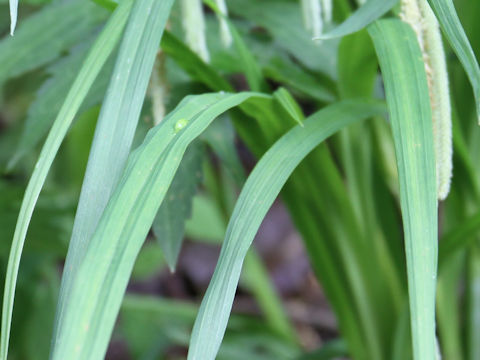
(283, 21)
(100, 281)
(448, 18)
(92, 66)
(364, 16)
(409, 107)
(113, 138)
(257, 196)
(192, 64)
(169, 224)
(251, 68)
(48, 101)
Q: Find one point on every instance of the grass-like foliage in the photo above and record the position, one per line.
(164, 120)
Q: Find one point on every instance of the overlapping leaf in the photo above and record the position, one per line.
(370, 11)
(97, 57)
(283, 20)
(169, 223)
(96, 290)
(51, 95)
(111, 145)
(448, 18)
(408, 99)
(257, 196)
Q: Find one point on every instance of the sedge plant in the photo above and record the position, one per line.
(360, 117)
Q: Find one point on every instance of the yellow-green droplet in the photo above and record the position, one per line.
(179, 125)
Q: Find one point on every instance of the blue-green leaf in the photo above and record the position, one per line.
(257, 196)
(169, 224)
(362, 17)
(96, 58)
(110, 148)
(408, 99)
(448, 18)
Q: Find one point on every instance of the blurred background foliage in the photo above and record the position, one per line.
(329, 266)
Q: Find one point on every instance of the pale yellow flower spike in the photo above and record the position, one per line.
(225, 33)
(312, 16)
(327, 10)
(158, 89)
(193, 21)
(419, 15)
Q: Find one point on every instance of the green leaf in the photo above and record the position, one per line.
(96, 59)
(358, 71)
(409, 107)
(150, 261)
(207, 222)
(50, 226)
(51, 95)
(450, 308)
(402, 340)
(341, 261)
(257, 196)
(39, 324)
(107, 4)
(458, 238)
(330, 350)
(256, 279)
(221, 137)
(357, 66)
(472, 303)
(153, 324)
(110, 148)
(169, 223)
(250, 66)
(192, 64)
(287, 101)
(286, 71)
(362, 17)
(283, 21)
(33, 44)
(30, 2)
(95, 292)
(451, 26)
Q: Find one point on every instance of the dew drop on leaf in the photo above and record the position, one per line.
(179, 125)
